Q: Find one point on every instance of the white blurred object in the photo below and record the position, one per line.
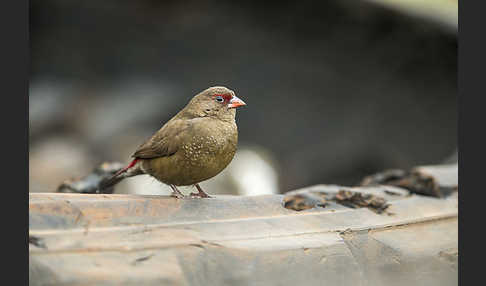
(253, 173)
(142, 185)
(443, 12)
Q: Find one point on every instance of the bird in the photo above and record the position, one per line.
(193, 146)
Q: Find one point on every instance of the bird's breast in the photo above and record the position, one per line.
(213, 146)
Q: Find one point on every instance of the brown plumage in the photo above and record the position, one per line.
(193, 146)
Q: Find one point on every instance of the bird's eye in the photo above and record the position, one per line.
(219, 98)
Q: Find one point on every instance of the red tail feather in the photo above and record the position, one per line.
(126, 168)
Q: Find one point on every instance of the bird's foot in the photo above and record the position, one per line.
(200, 195)
(176, 193)
(200, 192)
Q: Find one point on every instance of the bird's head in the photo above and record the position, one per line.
(217, 101)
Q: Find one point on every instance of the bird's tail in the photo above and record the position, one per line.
(120, 175)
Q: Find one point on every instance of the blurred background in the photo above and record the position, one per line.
(336, 90)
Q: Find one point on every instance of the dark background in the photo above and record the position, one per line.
(335, 90)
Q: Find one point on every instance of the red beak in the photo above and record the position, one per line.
(235, 102)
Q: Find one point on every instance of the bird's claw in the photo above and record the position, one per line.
(177, 196)
(176, 193)
(200, 195)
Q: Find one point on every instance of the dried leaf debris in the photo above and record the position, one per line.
(351, 199)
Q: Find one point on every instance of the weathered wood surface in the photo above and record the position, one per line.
(84, 239)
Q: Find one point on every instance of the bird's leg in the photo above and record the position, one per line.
(200, 193)
(176, 193)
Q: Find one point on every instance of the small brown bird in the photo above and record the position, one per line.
(194, 145)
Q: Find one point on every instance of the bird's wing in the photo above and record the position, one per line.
(165, 142)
